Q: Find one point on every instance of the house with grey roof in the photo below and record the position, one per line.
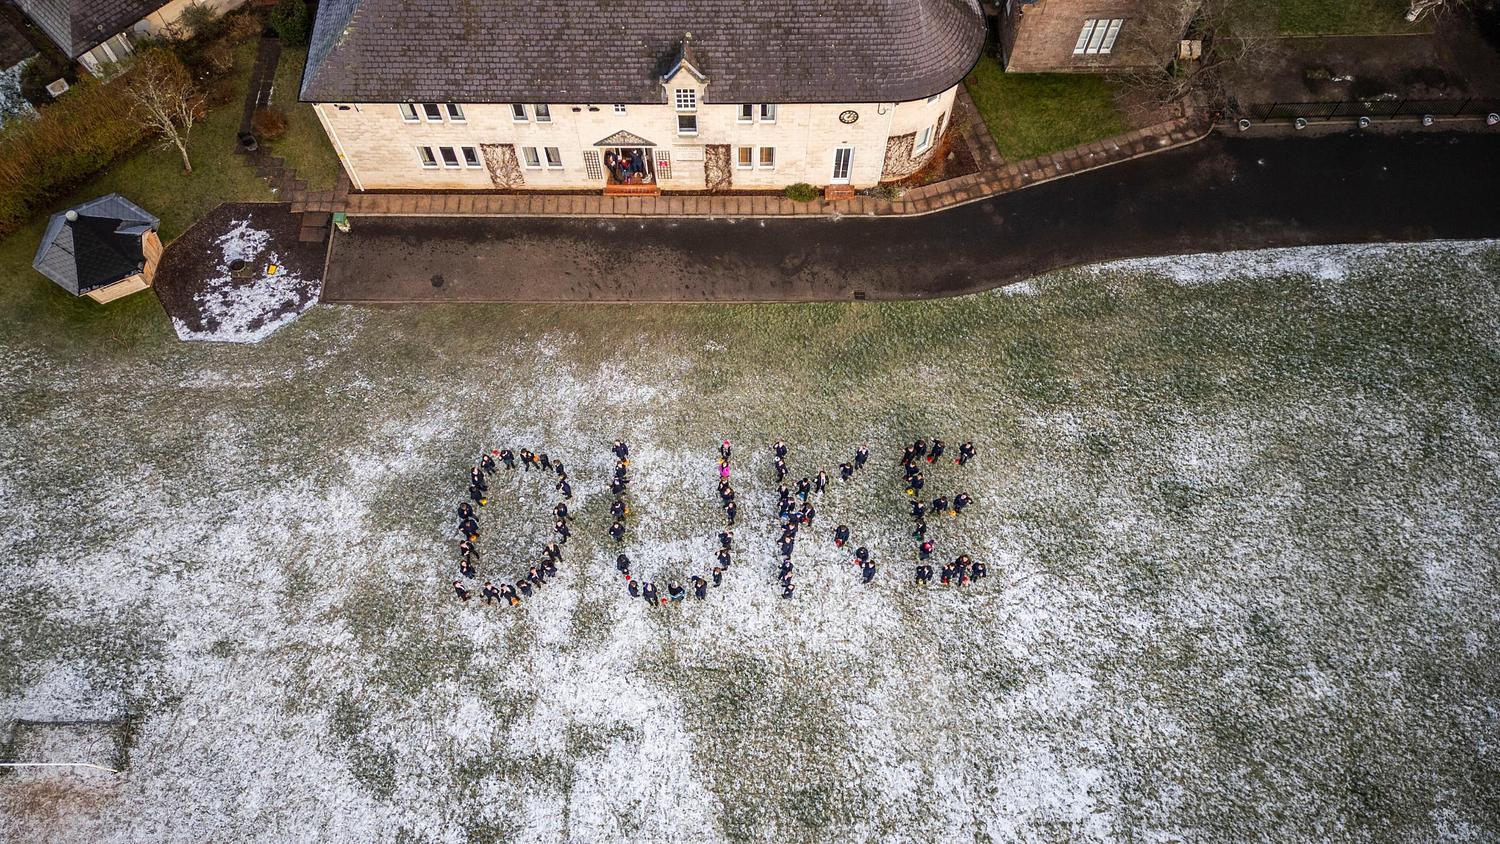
(100, 33)
(103, 249)
(677, 94)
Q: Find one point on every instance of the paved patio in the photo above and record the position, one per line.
(1228, 192)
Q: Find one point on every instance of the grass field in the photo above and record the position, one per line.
(305, 146)
(1240, 514)
(1031, 114)
(1346, 17)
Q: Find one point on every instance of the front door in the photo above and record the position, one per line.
(842, 158)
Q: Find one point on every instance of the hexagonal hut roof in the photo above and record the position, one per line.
(778, 51)
(94, 244)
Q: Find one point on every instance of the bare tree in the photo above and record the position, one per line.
(1237, 37)
(1417, 9)
(163, 98)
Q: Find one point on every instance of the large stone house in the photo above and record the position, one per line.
(634, 98)
(99, 33)
(1091, 35)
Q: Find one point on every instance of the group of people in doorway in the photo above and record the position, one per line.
(480, 476)
(796, 512)
(919, 454)
(627, 166)
(676, 590)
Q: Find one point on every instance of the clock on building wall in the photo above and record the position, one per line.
(849, 116)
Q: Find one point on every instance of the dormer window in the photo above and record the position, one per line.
(686, 99)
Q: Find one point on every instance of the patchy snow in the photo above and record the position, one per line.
(1325, 263)
(1232, 582)
(249, 310)
(13, 106)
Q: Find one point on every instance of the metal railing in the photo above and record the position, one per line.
(1381, 108)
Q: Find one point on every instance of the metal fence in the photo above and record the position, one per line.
(1353, 110)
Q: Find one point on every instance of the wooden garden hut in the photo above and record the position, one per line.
(103, 249)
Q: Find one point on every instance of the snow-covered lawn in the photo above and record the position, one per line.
(1241, 538)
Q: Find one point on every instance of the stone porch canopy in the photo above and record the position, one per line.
(523, 51)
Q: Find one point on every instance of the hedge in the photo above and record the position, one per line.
(66, 143)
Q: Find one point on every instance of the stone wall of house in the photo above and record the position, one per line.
(380, 149)
(1041, 36)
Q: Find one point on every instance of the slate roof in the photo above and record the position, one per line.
(78, 26)
(100, 247)
(604, 51)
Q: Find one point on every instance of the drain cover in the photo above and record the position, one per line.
(437, 280)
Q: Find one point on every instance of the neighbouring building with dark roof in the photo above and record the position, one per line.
(1080, 36)
(99, 33)
(103, 249)
(676, 94)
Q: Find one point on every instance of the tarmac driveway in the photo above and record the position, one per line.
(1223, 193)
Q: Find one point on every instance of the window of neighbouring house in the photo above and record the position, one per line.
(455, 112)
(768, 112)
(745, 157)
(532, 158)
(924, 139)
(450, 156)
(425, 154)
(933, 98)
(432, 112)
(747, 113)
(471, 156)
(554, 157)
(543, 113)
(619, 108)
(686, 99)
(409, 113)
(518, 113)
(687, 124)
(768, 158)
(1097, 36)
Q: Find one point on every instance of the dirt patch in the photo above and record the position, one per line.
(951, 159)
(239, 274)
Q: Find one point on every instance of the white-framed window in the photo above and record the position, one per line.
(432, 112)
(747, 113)
(429, 161)
(687, 124)
(745, 157)
(531, 158)
(933, 98)
(409, 113)
(518, 113)
(554, 158)
(767, 158)
(924, 139)
(543, 112)
(455, 112)
(768, 112)
(450, 156)
(686, 99)
(471, 156)
(1097, 36)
